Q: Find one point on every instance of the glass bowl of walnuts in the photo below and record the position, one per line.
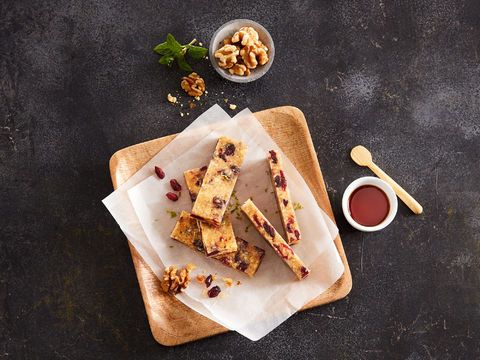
(241, 50)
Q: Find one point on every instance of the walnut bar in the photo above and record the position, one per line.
(280, 246)
(194, 179)
(246, 259)
(284, 202)
(219, 181)
(217, 240)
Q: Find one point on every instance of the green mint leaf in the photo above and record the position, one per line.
(166, 60)
(173, 44)
(162, 48)
(196, 52)
(182, 63)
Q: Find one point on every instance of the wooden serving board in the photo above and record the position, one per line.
(173, 323)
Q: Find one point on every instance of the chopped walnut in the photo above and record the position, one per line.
(246, 36)
(200, 278)
(193, 85)
(175, 282)
(228, 281)
(239, 69)
(171, 98)
(227, 56)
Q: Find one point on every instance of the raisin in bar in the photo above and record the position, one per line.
(280, 246)
(246, 259)
(217, 240)
(284, 202)
(194, 179)
(219, 181)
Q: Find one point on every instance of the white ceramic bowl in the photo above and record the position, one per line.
(382, 185)
(230, 28)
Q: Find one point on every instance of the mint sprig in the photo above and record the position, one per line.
(171, 50)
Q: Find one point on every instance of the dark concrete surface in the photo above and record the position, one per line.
(79, 81)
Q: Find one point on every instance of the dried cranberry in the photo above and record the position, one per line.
(175, 185)
(297, 234)
(214, 291)
(283, 180)
(229, 149)
(269, 229)
(277, 180)
(283, 250)
(217, 202)
(193, 196)
(273, 155)
(304, 271)
(172, 196)
(285, 202)
(221, 155)
(255, 218)
(289, 227)
(203, 168)
(198, 243)
(225, 260)
(208, 280)
(242, 266)
(235, 169)
(160, 173)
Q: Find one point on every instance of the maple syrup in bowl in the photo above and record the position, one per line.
(369, 204)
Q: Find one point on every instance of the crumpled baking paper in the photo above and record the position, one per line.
(257, 305)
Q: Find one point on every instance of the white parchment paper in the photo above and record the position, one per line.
(260, 304)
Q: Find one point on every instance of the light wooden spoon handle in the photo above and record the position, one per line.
(401, 193)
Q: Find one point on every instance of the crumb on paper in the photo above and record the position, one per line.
(200, 278)
(239, 283)
(297, 206)
(228, 281)
(173, 214)
(232, 106)
(171, 246)
(171, 98)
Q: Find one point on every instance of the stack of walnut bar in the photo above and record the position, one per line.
(208, 227)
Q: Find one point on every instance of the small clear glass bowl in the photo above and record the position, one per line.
(230, 28)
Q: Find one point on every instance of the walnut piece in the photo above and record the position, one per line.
(246, 36)
(174, 282)
(253, 56)
(193, 85)
(227, 56)
(239, 69)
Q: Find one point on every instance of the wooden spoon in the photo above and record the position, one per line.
(363, 157)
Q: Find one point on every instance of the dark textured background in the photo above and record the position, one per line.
(79, 81)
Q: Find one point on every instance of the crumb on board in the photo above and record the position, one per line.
(171, 98)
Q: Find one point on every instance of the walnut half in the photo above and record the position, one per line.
(227, 56)
(175, 282)
(193, 85)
